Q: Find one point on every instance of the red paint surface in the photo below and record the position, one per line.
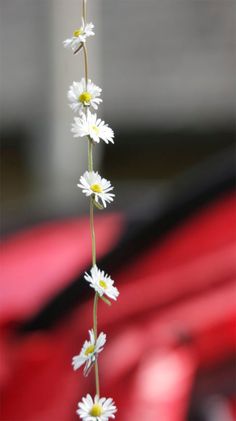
(37, 263)
(175, 314)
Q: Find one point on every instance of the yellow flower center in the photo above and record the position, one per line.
(77, 32)
(85, 97)
(96, 410)
(95, 129)
(96, 188)
(103, 284)
(89, 350)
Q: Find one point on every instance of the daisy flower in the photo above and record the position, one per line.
(89, 352)
(89, 125)
(92, 183)
(102, 283)
(97, 409)
(81, 96)
(79, 36)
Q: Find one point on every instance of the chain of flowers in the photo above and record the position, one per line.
(83, 96)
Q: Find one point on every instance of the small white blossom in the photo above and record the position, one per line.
(83, 95)
(92, 183)
(89, 352)
(89, 125)
(97, 409)
(102, 283)
(79, 36)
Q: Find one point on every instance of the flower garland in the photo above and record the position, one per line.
(84, 96)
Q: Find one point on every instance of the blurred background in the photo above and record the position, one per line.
(167, 69)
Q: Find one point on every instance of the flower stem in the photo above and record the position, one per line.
(97, 379)
(91, 213)
(84, 10)
(92, 232)
(85, 63)
(90, 154)
(95, 305)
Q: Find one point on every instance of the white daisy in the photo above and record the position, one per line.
(102, 283)
(97, 409)
(92, 183)
(81, 96)
(89, 125)
(89, 352)
(79, 36)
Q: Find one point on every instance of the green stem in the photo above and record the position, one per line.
(95, 329)
(91, 213)
(97, 379)
(90, 154)
(95, 303)
(85, 63)
(84, 10)
(95, 306)
(92, 232)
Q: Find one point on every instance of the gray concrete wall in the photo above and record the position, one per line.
(169, 62)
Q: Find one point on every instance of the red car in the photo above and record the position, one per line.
(171, 334)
